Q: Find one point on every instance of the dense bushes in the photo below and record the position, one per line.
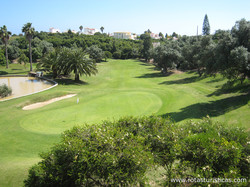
(5, 90)
(121, 152)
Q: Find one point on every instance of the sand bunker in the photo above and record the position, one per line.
(41, 104)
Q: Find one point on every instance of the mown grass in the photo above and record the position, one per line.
(122, 87)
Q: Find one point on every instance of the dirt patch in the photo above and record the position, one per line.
(41, 104)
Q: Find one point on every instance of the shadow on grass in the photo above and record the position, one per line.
(184, 81)
(70, 82)
(154, 75)
(215, 80)
(3, 73)
(213, 108)
(230, 87)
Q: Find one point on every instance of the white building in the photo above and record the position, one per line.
(125, 35)
(53, 30)
(155, 36)
(90, 31)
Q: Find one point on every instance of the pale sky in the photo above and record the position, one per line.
(180, 16)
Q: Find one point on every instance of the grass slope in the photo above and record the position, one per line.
(122, 87)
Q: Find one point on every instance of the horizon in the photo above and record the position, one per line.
(182, 17)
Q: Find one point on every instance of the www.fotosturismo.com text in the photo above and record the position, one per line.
(211, 180)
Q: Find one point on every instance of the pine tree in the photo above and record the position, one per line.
(206, 26)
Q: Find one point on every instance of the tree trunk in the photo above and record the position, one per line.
(30, 55)
(77, 77)
(6, 55)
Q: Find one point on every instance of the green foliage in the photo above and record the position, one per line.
(117, 54)
(5, 90)
(23, 59)
(65, 60)
(147, 45)
(29, 33)
(107, 55)
(120, 152)
(5, 36)
(166, 56)
(206, 26)
(95, 53)
(2, 57)
(98, 155)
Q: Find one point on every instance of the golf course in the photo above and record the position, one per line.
(120, 88)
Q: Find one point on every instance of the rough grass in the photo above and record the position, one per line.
(122, 87)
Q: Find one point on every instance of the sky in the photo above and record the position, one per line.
(136, 16)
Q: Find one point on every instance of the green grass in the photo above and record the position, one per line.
(122, 87)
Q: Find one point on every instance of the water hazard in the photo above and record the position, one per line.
(24, 85)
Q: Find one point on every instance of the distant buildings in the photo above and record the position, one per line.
(155, 36)
(90, 31)
(118, 35)
(125, 35)
(53, 30)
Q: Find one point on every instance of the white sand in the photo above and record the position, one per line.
(41, 104)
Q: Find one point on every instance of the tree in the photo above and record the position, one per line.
(147, 45)
(161, 35)
(5, 35)
(241, 31)
(66, 60)
(166, 57)
(206, 26)
(52, 62)
(175, 35)
(29, 33)
(2, 57)
(81, 27)
(23, 59)
(238, 66)
(95, 53)
(80, 64)
(102, 28)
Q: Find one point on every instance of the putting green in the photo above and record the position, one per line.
(110, 105)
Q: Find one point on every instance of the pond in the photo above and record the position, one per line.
(22, 86)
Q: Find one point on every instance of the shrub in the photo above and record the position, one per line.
(93, 156)
(120, 153)
(5, 90)
(214, 150)
(117, 55)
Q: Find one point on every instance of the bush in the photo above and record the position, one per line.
(117, 55)
(93, 156)
(108, 54)
(120, 153)
(5, 90)
(214, 150)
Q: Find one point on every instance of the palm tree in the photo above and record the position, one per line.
(65, 60)
(102, 28)
(5, 36)
(80, 64)
(29, 32)
(81, 27)
(51, 62)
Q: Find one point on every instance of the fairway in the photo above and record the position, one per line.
(121, 88)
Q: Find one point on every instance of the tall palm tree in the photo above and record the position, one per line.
(102, 29)
(80, 64)
(5, 36)
(29, 33)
